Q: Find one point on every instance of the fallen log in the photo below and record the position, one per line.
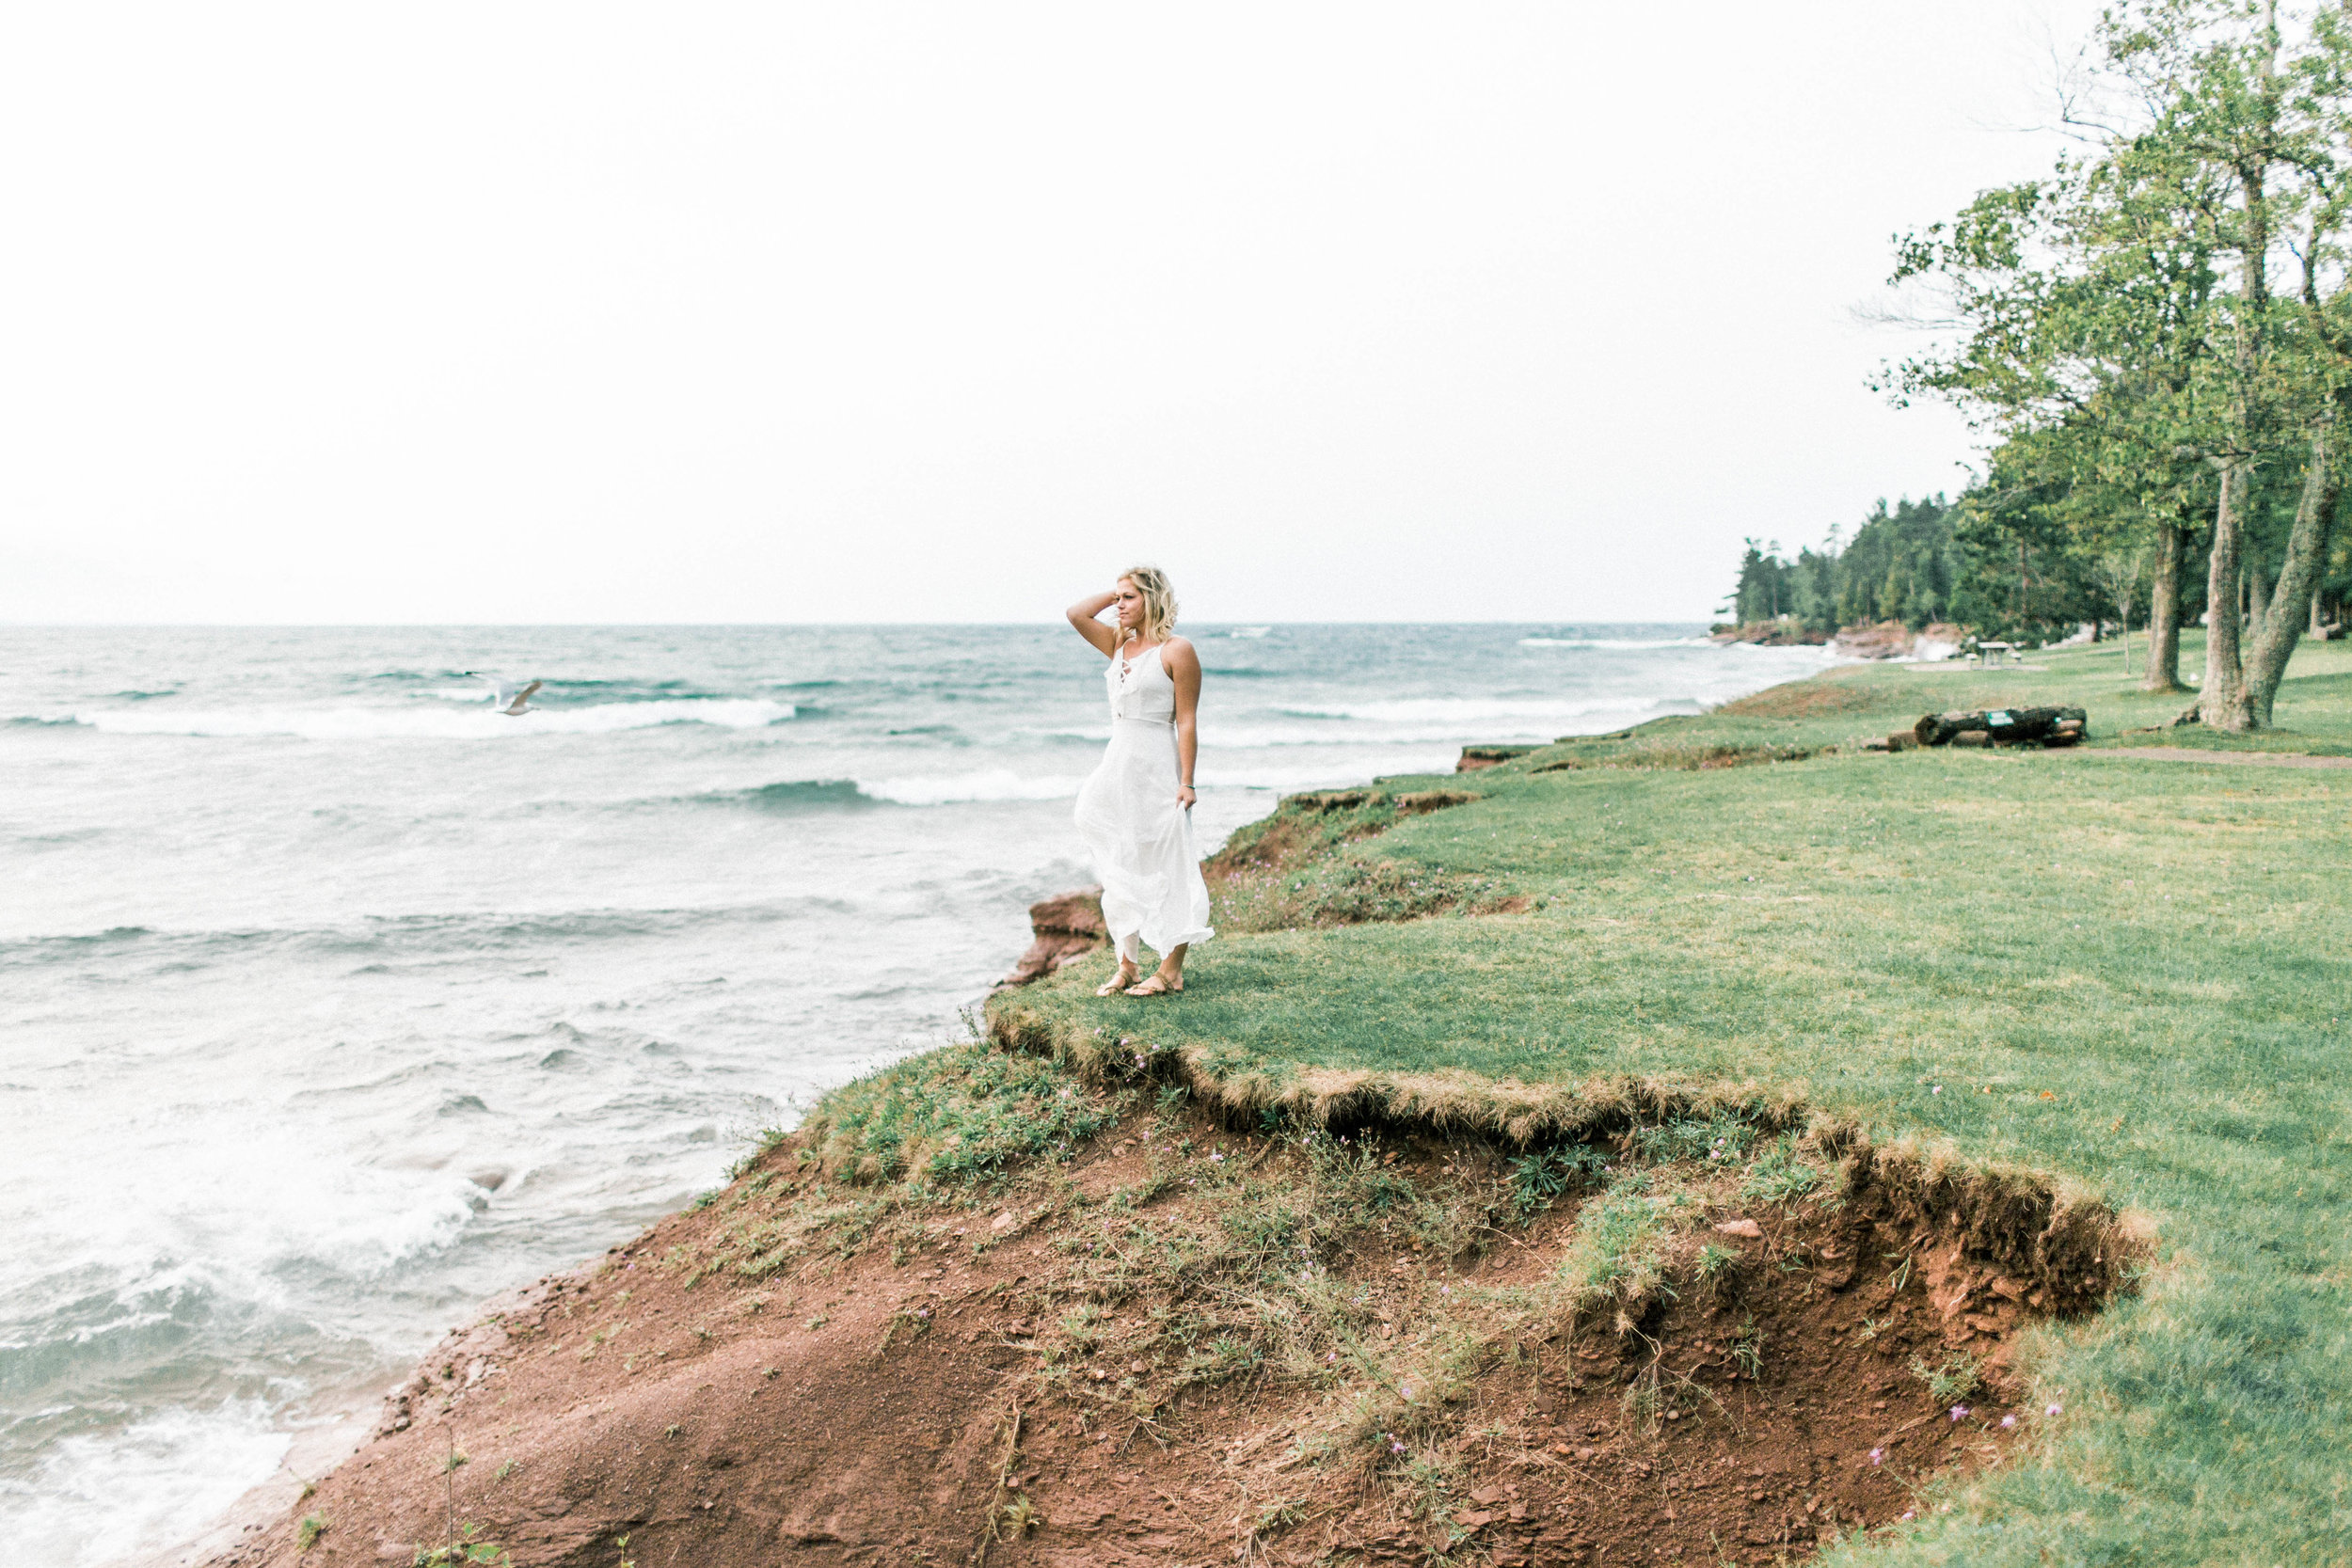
(2012, 726)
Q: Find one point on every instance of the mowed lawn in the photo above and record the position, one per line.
(2131, 973)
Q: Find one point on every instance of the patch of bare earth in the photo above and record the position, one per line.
(1187, 1346)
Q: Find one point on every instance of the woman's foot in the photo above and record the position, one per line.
(1158, 985)
(1124, 979)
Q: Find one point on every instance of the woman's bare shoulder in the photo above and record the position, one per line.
(1180, 649)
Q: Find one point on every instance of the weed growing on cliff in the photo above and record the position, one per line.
(307, 1533)
(1016, 1519)
(1958, 1377)
(1716, 1264)
(1747, 1349)
(468, 1551)
(1781, 1174)
(1715, 1139)
(1540, 1180)
(1618, 1263)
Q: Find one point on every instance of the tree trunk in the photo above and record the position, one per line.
(2281, 626)
(2223, 701)
(2164, 611)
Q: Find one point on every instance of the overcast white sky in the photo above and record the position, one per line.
(870, 311)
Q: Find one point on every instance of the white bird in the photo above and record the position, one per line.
(512, 699)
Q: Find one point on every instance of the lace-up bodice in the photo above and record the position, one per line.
(1141, 687)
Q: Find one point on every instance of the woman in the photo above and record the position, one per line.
(1135, 812)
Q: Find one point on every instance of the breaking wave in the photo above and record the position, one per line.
(377, 723)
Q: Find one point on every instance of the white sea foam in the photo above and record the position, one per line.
(224, 1217)
(992, 784)
(97, 1500)
(390, 724)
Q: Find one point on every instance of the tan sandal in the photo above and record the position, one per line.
(1155, 985)
(1118, 983)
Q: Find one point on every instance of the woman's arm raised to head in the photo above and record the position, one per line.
(1082, 616)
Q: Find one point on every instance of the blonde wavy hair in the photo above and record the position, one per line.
(1159, 602)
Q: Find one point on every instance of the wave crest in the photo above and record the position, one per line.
(376, 724)
(791, 794)
(994, 783)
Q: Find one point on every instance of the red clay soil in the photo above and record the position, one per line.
(889, 1413)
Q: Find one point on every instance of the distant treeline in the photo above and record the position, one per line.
(2011, 571)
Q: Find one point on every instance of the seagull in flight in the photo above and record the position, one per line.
(508, 698)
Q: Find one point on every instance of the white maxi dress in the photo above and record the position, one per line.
(1139, 837)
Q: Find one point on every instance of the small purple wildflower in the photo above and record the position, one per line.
(1911, 1514)
(1396, 1448)
(1959, 1412)
(1932, 1088)
(2008, 1421)
(2056, 1410)
(1406, 1389)
(1877, 1454)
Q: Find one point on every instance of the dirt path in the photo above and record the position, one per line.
(2255, 759)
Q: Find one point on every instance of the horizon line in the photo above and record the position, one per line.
(7, 625)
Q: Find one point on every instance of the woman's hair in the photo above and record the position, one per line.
(1159, 601)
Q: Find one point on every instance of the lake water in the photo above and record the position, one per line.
(336, 1003)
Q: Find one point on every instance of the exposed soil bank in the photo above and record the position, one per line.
(1179, 1345)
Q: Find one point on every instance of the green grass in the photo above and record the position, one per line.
(2132, 973)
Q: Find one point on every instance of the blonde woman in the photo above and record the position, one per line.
(1136, 812)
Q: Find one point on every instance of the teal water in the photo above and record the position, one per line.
(337, 1002)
